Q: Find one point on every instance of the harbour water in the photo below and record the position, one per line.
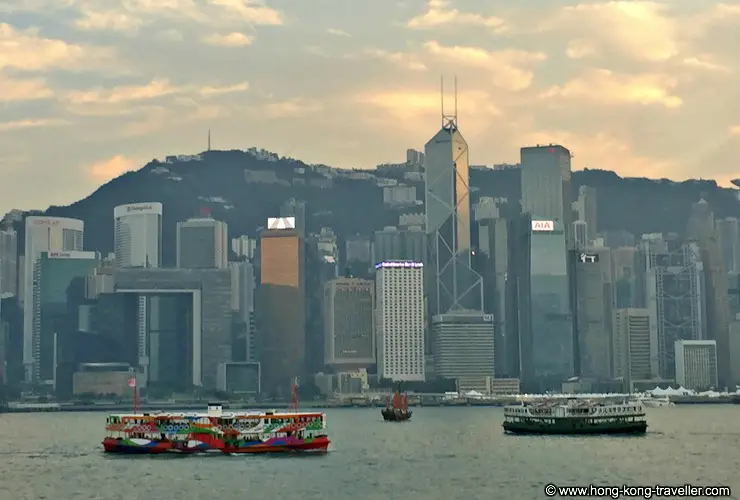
(442, 453)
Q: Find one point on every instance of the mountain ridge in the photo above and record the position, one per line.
(351, 206)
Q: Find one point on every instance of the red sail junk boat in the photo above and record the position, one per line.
(397, 410)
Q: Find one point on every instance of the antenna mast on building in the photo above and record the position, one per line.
(449, 122)
(209, 139)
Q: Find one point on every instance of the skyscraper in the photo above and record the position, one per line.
(452, 284)
(281, 310)
(349, 341)
(400, 320)
(8, 262)
(138, 235)
(546, 191)
(202, 243)
(43, 234)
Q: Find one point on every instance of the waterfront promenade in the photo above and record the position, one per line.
(357, 401)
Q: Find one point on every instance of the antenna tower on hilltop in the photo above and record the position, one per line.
(448, 121)
(209, 139)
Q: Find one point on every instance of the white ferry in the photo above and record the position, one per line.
(575, 416)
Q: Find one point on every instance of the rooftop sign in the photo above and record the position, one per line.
(543, 225)
(398, 265)
(281, 223)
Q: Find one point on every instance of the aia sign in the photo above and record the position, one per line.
(543, 225)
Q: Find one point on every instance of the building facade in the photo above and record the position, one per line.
(465, 350)
(137, 235)
(400, 320)
(696, 364)
(281, 309)
(349, 324)
(451, 281)
(202, 243)
(43, 234)
(184, 330)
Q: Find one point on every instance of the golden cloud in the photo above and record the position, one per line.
(439, 13)
(110, 168)
(605, 86)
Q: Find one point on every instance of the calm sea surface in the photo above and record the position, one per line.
(442, 453)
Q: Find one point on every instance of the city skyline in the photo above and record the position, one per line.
(655, 79)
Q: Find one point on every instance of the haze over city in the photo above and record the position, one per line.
(91, 88)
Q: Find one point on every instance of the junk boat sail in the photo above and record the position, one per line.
(575, 416)
(398, 410)
(216, 431)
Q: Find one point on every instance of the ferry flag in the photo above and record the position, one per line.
(132, 382)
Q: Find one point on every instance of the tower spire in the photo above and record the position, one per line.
(449, 121)
(209, 139)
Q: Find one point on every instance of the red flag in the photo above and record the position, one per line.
(132, 382)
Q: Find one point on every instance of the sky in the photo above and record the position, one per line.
(90, 89)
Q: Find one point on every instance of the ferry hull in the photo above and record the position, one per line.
(576, 428)
(126, 447)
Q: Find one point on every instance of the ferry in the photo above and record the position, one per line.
(656, 401)
(216, 431)
(575, 416)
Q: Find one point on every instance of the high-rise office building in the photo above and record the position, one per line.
(202, 243)
(138, 235)
(493, 244)
(585, 208)
(8, 262)
(635, 356)
(58, 290)
(541, 321)
(399, 320)
(729, 238)
(393, 243)
(465, 350)
(546, 184)
(281, 308)
(674, 290)
(349, 324)
(701, 228)
(696, 364)
(452, 283)
(43, 234)
(592, 299)
(580, 234)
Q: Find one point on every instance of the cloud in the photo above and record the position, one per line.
(35, 123)
(251, 12)
(505, 67)
(337, 32)
(124, 99)
(602, 85)
(23, 90)
(415, 106)
(290, 108)
(439, 14)
(735, 130)
(26, 50)
(640, 30)
(234, 39)
(408, 61)
(108, 20)
(110, 168)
